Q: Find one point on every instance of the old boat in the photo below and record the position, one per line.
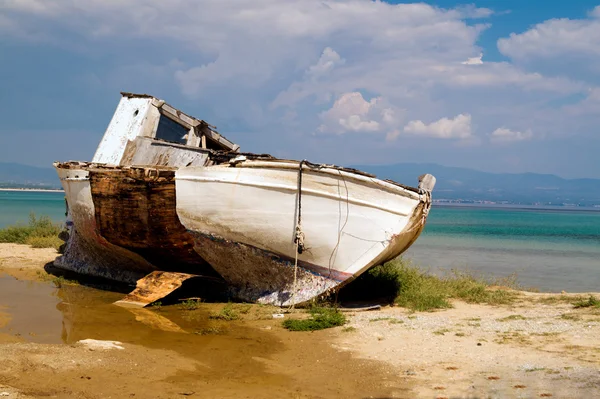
(122, 222)
(166, 192)
(283, 232)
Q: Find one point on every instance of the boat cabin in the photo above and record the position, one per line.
(145, 130)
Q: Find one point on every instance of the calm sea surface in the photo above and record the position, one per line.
(552, 250)
(15, 206)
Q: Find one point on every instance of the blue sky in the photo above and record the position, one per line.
(346, 82)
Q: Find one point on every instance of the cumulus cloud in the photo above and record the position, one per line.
(474, 60)
(504, 135)
(328, 60)
(305, 70)
(595, 12)
(458, 127)
(352, 113)
(555, 38)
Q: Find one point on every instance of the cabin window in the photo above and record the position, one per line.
(171, 131)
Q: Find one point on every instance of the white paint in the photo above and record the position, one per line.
(350, 221)
(131, 116)
(137, 116)
(154, 152)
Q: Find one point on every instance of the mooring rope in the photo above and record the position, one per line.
(299, 237)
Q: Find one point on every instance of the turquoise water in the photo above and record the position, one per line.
(15, 206)
(551, 250)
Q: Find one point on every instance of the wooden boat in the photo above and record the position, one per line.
(122, 222)
(283, 232)
(166, 193)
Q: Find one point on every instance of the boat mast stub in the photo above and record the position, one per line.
(426, 182)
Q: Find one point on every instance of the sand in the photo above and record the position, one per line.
(530, 349)
(540, 346)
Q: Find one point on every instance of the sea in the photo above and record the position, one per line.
(548, 249)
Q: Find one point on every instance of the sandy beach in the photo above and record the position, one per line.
(539, 346)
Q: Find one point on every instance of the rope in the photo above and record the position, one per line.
(299, 237)
(341, 230)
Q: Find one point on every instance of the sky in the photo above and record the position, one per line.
(499, 85)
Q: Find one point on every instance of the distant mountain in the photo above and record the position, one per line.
(16, 175)
(472, 185)
(453, 184)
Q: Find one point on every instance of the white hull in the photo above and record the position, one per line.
(244, 215)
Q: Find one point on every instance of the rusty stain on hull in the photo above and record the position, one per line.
(135, 209)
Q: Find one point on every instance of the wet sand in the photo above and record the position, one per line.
(540, 346)
(168, 352)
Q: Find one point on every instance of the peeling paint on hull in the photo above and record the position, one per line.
(86, 251)
(124, 224)
(256, 275)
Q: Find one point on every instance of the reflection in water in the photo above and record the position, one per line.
(40, 312)
(221, 358)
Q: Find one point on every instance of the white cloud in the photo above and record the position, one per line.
(595, 12)
(352, 113)
(474, 60)
(555, 38)
(328, 60)
(304, 70)
(504, 135)
(445, 128)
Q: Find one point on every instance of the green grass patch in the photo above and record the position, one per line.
(513, 317)
(349, 329)
(379, 319)
(421, 291)
(228, 313)
(591, 302)
(60, 281)
(190, 304)
(570, 316)
(210, 331)
(320, 318)
(416, 289)
(40, 232)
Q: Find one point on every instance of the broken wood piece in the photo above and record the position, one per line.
(153, 287)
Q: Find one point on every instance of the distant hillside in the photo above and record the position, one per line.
(471, 185)
(16, 175)
(452, 183)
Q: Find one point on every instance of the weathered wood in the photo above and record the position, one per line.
(135, 209)
(153, 287)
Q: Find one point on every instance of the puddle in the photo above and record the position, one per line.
(28, 310)
(227, 358)
(42, 313)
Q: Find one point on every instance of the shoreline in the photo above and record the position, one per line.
(516, 207)
(36, 190)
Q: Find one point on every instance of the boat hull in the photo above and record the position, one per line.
(124, 224)
(244, 220)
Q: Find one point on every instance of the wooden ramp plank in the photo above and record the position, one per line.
(153, 287)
